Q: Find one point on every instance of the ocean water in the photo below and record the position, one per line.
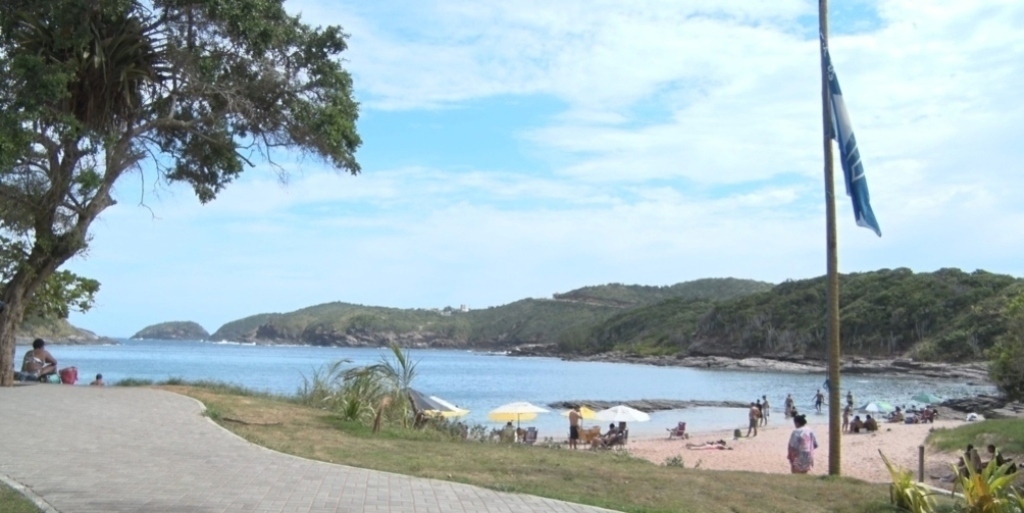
(481, 381)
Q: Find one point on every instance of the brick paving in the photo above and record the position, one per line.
(83, 449)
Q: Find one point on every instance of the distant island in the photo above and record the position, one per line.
(174, 330)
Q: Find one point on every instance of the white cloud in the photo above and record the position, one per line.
(689, 146)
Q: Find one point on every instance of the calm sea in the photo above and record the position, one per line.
(481, 381)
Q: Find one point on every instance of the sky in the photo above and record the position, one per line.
(520, 149)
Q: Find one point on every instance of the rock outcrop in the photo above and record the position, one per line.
(992, 407)
(648, 405)
(175, 330)
(971, 372)
(59, 332)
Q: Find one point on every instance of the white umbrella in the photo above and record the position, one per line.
(878, 407)
(622, 413)
(456, 411)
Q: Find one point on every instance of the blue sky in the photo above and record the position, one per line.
(518, 149)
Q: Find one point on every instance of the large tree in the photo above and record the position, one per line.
(195, 90)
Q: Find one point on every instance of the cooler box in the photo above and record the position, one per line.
(69, 375)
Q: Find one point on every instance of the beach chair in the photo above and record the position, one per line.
(531, 436)
(678, 431)
(587, 435)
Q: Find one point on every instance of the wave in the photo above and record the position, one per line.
(231, 343)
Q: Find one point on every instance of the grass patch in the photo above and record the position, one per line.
(607, 479)
(11, 501)
(133, 382)
(1006, 434)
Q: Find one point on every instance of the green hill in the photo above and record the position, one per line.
(57, 331)
(528, 321)
(617, 294)
(174, 330)
(944, 315)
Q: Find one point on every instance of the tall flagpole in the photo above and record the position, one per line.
(832, 329)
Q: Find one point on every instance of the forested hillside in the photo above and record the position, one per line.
(528, 321)
(944, 315)
(617, 294)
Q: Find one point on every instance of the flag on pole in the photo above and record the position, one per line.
(842, 133)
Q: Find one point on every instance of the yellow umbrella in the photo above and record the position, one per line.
(511, 417)
(585, 413)
(517, 411)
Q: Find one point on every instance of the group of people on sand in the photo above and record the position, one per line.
(971, 460)
(616, 435)
(757, 415)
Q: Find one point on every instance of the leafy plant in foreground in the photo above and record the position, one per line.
(988, 490)
(904, 493)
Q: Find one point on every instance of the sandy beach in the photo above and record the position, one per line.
(767, 451)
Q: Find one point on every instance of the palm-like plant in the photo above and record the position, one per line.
(398, 371)
(110, 55)
(324, 385)
(988, 490)
(904, 493)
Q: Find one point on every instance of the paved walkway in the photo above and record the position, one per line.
(132, 450)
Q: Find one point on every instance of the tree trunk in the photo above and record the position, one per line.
(16, 294)
(10, 319)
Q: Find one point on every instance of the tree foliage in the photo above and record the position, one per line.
(59, 295)
(1007, 369)
(196, 90)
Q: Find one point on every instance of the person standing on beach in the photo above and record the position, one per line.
(846, 417)
(819, 399)
(765, 410)
(802, 444)
(788, 406)
(755, 417)
(574, 427)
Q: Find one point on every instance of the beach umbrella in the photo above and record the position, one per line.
(878, 407)
(431, 406)
(456, 411)
(927, 398)
(517, 411)
(585, 413)
(622, 413)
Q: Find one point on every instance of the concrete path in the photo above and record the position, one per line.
(129, 450)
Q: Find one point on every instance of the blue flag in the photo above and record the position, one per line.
(842, 132)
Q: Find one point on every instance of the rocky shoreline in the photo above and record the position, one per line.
(972, 372)
(647, 405)
(93, 340)
(992, 407)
